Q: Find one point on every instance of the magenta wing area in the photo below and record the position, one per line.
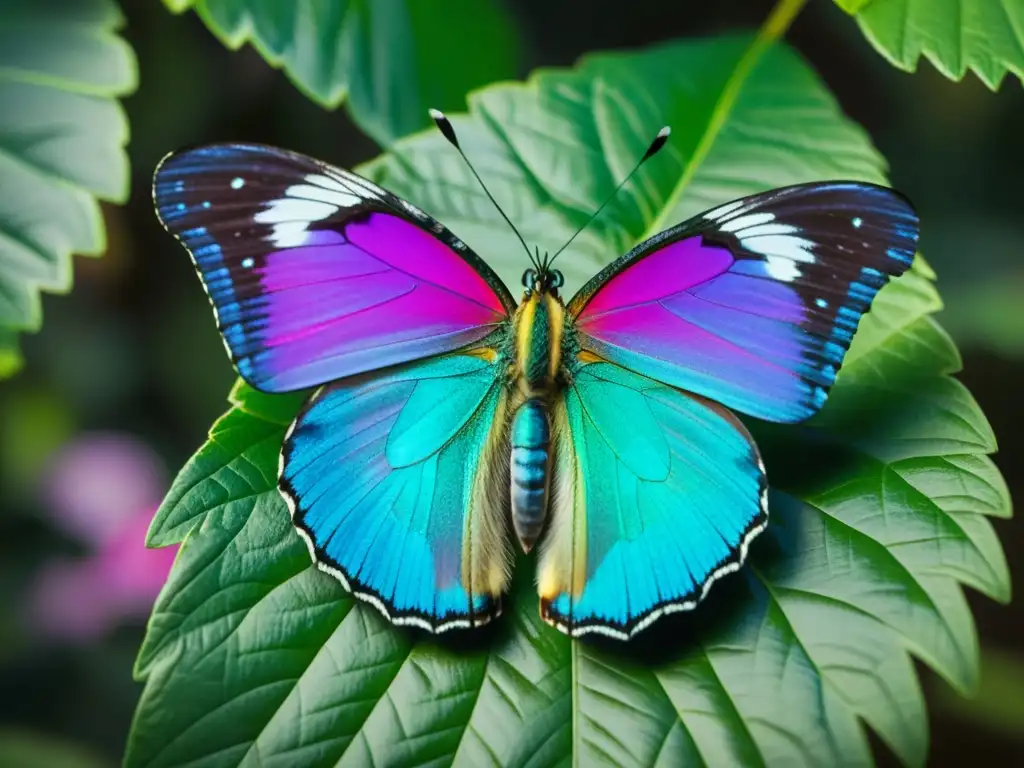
(753, 304)
(315, 273)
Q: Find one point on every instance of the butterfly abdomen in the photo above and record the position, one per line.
(531, 470)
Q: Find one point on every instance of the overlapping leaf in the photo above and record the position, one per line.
(62, 137)
(878, 514)
(986, 36)
(390, 59)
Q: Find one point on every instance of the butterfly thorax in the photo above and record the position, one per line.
(539, 328)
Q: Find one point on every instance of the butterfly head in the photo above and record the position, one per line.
(542, 281)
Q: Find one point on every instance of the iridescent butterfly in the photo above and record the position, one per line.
(451, 421)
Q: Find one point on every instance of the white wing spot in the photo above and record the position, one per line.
(290, 209)
(247, 262)
(782, 269)
(787, 246)
(767, 229)
(347, 190)
(237, 183)
(353, 185)
(315, 193)
(723, 211)
(857, 222)
(821, 303)
(750, 220)
(289, 234)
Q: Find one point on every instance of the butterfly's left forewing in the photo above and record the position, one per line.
(316, 273)
(398, 482)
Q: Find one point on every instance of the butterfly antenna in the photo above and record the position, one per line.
(444, 125)
(656, 145)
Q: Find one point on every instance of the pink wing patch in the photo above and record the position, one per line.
(676, 267)
(408, 248)
(381, 292)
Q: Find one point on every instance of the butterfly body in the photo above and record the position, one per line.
(538, 374)
(451, 420)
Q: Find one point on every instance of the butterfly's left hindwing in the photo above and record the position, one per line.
(657, 493)
(398, 481)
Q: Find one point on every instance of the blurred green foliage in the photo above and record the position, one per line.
(989, 313)
(390, 60)
(997, 706)
(62, 134)
(23, 749)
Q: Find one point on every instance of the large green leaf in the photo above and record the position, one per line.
(878, 514)
(62, 137)
(391, 59)
(986, 36)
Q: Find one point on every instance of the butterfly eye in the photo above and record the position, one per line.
(557, 281)
(529, 278)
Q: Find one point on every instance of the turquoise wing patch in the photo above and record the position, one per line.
(392, 479)
(657, 494)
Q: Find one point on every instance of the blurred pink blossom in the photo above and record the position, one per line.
(98, 481)
(102, 489)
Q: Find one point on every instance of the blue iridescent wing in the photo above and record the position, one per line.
(657, 494)
(315, 273)
(753, 304)
(398, 482)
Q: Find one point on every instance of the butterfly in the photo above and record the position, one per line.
(450, 423)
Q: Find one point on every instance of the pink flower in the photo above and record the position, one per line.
(102, 489)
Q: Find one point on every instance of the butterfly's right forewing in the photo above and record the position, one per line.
(316, 273)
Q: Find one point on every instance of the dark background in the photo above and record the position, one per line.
(134, 347)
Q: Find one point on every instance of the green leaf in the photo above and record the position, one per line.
(25, 749)
(986, 312)
(62, 137)
(391, 59)
(986, 36)
(878, 512)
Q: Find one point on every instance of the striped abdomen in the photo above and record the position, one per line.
(531, 470)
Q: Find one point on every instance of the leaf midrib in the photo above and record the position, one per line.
(773, 29)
